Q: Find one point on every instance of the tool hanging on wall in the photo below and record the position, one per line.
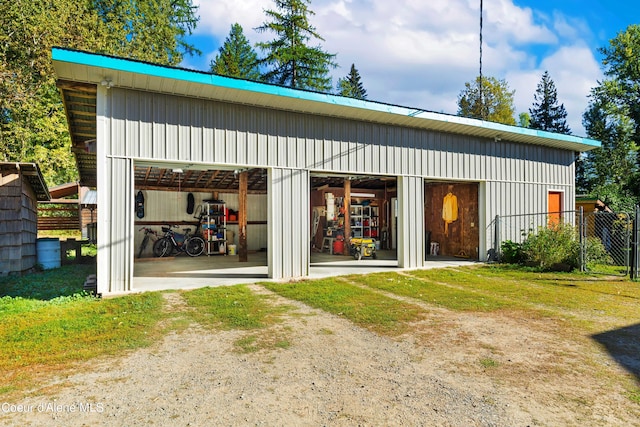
(190, 203)
(140, 205)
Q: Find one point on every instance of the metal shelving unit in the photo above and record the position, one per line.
(215, 227)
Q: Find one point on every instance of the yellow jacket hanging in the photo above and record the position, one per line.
(449, 211)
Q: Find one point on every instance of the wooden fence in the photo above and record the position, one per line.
(58, 216)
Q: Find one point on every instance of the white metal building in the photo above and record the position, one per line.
(129, 119)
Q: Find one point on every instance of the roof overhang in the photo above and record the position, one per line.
(30, 172)
(79, 73)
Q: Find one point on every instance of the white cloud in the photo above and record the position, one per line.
(217, 16)
(420, 53)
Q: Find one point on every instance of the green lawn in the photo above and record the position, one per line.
(362, 306)
(49, 324)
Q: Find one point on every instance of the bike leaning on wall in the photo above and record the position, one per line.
(173, 242)
(149, 235)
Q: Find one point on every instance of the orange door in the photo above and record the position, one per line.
(555, 207)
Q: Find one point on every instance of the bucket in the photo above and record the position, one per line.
(232, 249)
(48, 252)
(338, 246)
(377, 245)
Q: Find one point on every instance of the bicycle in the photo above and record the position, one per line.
(149, 234)
(175, 242)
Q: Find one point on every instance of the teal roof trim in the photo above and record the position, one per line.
(200, 77)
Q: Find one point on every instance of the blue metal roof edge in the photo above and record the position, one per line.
(146, 68)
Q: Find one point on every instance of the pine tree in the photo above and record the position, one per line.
(546, 114)
(351, 85)
(236, 57)
(293, 62)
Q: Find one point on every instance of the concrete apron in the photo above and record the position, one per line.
(184, 272)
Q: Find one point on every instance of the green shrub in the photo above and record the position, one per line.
(553, 246)
(511, 252)
(596, 252)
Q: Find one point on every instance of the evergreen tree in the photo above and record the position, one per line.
(546, 114)
(608, 172)
(33, 124)
(496, 104)
(148, 30)
(236, 57)
(612, 172)
(291, 60)
(351, 85)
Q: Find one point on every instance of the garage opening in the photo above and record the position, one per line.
(451, 220)
(352, 223)
(208, 202)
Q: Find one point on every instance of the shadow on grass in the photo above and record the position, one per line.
(624, 347)
(48, 284)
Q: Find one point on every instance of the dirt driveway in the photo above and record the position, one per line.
(453, 370)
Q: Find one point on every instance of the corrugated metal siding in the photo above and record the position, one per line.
(194, 130)
(516, 198)
(288, 230)
(121, 222)
(411, 222)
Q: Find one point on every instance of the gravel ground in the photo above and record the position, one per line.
(452, 370)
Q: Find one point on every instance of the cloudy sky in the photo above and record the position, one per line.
(420, 53)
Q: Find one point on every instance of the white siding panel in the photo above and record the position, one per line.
(159, 129)
(132, 124)
(411, 222)
(145, 146)
(118, 123)
(288, 230)
(196, 131)
(120, 231)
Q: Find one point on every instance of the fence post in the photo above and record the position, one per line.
(635, 255)
(582, 239)
(496, 237)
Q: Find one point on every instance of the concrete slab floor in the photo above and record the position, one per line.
(184, 272)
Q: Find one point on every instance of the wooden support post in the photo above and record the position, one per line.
(242, 217)
(347, 216)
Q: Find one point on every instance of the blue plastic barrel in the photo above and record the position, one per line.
(48, 252)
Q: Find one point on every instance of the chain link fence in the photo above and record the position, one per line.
(606, 243)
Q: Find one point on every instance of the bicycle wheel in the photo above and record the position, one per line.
(194, 246)
(162, 247)
(143, 245)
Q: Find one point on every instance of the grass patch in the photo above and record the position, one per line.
(488, 363)
(48, 284)
(44, 336)
(49, 323)
(575, 296)
(363, 307)
(232, 307)
(431, 291)
(236, 307)
(247, 344)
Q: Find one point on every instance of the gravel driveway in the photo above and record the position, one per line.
(453, 369)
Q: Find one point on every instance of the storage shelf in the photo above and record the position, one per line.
(364, 221)
(215, 224)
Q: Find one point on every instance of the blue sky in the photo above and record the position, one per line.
(420, 53)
